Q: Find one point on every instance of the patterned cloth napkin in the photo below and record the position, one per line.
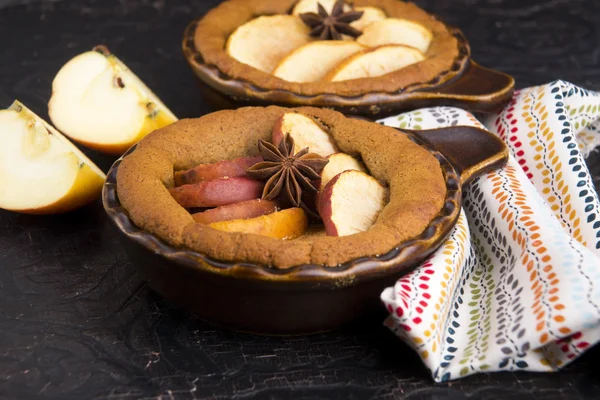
(517, 284)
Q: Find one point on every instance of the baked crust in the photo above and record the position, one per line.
(218, 24)
(414, 176)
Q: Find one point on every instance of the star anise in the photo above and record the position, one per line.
(287, 173)
(331, 26)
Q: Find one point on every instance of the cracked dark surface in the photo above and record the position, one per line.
(77, 322)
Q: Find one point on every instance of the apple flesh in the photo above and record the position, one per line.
(98, 102)
(285, 224)
(264, 41)
(217, 192)
(243, 210)
(338, 163)
(305, 132)
(375, 62)
(351, 203)
(206, 172)
(311, 62)
(41, 172)
(306, 6)
(370, 15)
(396, 31)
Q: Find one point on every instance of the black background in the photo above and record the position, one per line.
(76, 321)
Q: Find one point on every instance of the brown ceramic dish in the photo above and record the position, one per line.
(447, 77)
(304, 298)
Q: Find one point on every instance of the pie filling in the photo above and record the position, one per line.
(300, 179)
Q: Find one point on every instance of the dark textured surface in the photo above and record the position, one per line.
(77, 322)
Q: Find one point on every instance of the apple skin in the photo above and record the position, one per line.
(305, 132)
(285, 224)
(243, 210)
(325, 206)
(206, 172)
(217, 192)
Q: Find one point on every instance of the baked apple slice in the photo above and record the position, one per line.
(243, 210)
(370, 15)
(396, 31)
(41, 172)
(285, 224)
(350, 203)
(375, 62)
(206, 172)
(264, 41)
(338, 163)
(305, 132)
(98, 102)
(217, 192)
(311, 62)
(308, 6)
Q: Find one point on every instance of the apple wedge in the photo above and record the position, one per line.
(396, 31)
(305, 132)
(285, 224)
(370, 15)
(338, 163)
(264, 41)
(41, 172)
(350, 203)
(222, 169)
(98, 102)
(375, 62)
(311, 62)
(306, 6)
(243, 210)
(217, 192)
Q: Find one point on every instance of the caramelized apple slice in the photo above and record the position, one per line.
(396, 31)
(312, 61)
(305, 132)
(285, 224)
(206, 172)
(217, 192)
(350, 203)
(375, 62)
(244, 210)
(264, 41)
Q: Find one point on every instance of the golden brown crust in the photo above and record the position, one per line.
(214, 29)
(417, 187)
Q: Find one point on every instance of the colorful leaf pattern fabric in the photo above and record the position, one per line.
(517, 284)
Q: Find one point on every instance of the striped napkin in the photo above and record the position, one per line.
(517, 284)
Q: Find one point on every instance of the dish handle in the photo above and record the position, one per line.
(478, 88)
(472, 151)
